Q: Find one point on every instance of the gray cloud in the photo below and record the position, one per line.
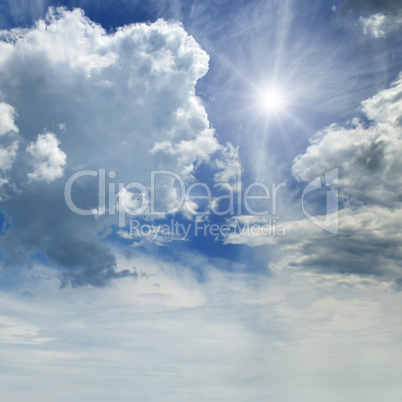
(367, 156)
(377, 18)
(86, 99)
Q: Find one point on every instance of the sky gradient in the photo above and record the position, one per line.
(200, 200)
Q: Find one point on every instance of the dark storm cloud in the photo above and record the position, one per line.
(40, 221)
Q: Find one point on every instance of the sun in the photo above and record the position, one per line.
(272, 100)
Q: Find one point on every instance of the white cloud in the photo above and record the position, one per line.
(367, 155)
(12, 35)
(7, 156)
(233, 336)
(129, 96)
(122, 101)
(7, 117)
(379, 25)
(386, 106)
(229, 167)
(8, 150)
(48, 159)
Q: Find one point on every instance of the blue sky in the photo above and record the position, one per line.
(200, 200)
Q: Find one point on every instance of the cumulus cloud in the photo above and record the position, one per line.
(8, 146)
(47, 159)
(7, 116)
(367, 155)
(124, 102)
(8, 151)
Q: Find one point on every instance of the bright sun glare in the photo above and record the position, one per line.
(272, 100)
